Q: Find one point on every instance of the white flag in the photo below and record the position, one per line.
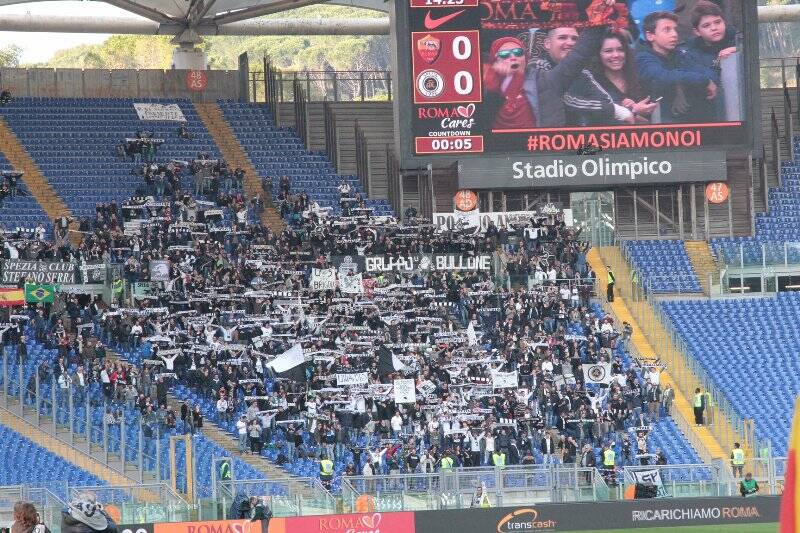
(323, 279)
(288, 359)
(472, 338)
(505, 380)
(351, 284)
(645, 477)
(597, 373)
(404, 391)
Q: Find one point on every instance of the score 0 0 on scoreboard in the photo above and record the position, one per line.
(446, 73)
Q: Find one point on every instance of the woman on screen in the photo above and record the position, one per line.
(608, 93)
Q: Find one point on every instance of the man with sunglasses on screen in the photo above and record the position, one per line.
(504, 79)
(547, 79)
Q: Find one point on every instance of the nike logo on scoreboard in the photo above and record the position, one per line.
(433, 23)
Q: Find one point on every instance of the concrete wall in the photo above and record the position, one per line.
(122, 83)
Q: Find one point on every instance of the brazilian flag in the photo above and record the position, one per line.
(40, 292)
(118, 286)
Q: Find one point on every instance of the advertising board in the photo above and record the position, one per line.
(539, 518)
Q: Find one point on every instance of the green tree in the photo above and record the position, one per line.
(293, 52)
(9, 56)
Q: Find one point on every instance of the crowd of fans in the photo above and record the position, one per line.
(373, 298)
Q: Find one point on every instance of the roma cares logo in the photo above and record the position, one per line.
(526, 521)
(367, 523)
(400, 522)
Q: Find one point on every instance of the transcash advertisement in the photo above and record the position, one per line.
(499, 77)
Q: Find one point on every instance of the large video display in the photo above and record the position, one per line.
(536, 77)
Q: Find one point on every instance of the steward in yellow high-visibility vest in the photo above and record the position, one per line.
(326, 471)
(499, 459)
(447, 462)
(737, 459)
(610, 282)
(699, 405)
(609, 458)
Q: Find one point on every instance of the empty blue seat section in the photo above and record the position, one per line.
(21, 210)
(277, 152)
(22, 461)
(663, 264)
(781, 223)
(749, 347)
(73, 141)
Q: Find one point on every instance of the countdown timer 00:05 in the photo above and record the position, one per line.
(437, 145)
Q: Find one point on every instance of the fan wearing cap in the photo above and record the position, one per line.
(85, 515)
(504, 77)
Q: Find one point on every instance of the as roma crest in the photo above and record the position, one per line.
(429, 48)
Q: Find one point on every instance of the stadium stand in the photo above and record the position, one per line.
(749, 347)
(278, 152)
(663, 265)
(779, 225)
(127, 401)
(73, 142)
(25, 462)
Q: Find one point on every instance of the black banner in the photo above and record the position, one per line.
(666, 512)
(93, 272)
(15, 270)
(409, 263)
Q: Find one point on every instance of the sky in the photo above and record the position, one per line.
(39, 47)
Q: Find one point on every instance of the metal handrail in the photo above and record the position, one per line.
(693, 374)
(74, 449)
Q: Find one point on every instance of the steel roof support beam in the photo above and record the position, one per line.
(60, 24)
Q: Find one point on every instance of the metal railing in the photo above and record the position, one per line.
(300, 112)
(135, 503)
(778, 72)
(148, 502)
(321, 86)
(331, 135)
(394, 178)
(721, 418)
(363, 163)
(511, 485)
(66, 412)
(758, 254)
(282, 496)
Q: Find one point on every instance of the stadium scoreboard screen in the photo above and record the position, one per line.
(513, 89)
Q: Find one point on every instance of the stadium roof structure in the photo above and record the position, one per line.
(189, 20)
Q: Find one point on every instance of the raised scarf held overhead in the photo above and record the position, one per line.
(547, 14)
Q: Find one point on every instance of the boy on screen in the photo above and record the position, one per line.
(714, 41)
(665, 72)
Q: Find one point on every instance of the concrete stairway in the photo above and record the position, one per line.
(228, 443)
(652, 340)
(52, 204)
(703, 263)
(232, 151)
